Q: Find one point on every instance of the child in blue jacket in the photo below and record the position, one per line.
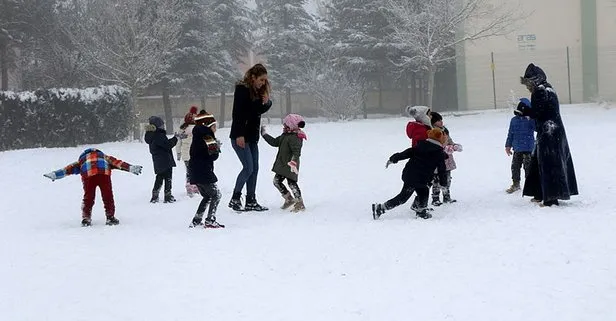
(521, 138)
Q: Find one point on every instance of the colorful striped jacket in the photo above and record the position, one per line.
(92, 162)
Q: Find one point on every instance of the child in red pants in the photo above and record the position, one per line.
(95, 169)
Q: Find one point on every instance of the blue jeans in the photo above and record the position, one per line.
(249, 157)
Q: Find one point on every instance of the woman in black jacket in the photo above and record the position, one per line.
(250, 101)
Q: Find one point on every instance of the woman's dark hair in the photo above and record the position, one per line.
(256, 71)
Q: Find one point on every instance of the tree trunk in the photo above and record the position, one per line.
(289, 107)
(431, 73)
(136, 117)
(381, 93)
(405, 94)
(413, 88)
(4, 67)
(167, 107)
(221, 121)
(203, 102)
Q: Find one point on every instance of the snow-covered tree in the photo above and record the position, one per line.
(285, 39)
(428, 31)
(12, 25)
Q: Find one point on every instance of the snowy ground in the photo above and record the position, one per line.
(491, 256)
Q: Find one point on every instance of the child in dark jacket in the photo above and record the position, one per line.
(161, 149)
(424, 158)
(204, 150)
(521, 138)
(450, 164)
(286, 165)
(95, 169)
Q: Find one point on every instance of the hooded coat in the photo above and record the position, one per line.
(417, 130)
(161, 147)
(551, 175)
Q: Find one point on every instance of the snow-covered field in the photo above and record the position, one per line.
(490, 256)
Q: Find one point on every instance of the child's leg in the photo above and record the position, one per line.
(158, 183)
(436, 189)
(516, 165)
(446, 189)
(211, 195)
(279, 184)
(295, 188)
(205, 193)
(187, 172)
(89, 193)
(214, 201)
(401, 198)
(422, 202)
(168, 181)
(104, 183)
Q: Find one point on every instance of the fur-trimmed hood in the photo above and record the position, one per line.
(420, 114)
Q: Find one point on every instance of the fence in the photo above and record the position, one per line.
(491, 78)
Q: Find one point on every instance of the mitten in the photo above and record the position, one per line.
(135, 169)
(51, 176)
(389, 162)
(457, 147)
(293, 165)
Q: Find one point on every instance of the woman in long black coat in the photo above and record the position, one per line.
(551, 176)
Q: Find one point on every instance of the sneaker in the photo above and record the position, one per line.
(213, 224)
(196, 222)
(111, 220)
(252, 205)
(377, 211)
(436, 202)
(448, 200)
(236, 202)
(154, 199)
(423, 214)
(86, 222)
(169, 199)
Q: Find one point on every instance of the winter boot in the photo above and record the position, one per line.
(513, 188)
(448, 199)
(549, 203)
(252, 205)
(298, 206)
(288, 201)
(236, 201)
(196, 221)
(111, 220)
(423, 214)
(377, 211)
(169, 198)
(436, 202)
(210, 222)
(86, 221)
(154, 198)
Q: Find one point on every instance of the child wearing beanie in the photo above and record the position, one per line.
(427, 156)
(183, 148)
(161, 149)
(286, 165)
(450, 164)
(204, 150)
(520, 137)
(417, 129)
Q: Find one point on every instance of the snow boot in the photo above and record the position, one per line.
(549, 203)
(154, 198)
(169, 198)
(236, 202)
(423, 214)
(211, 223)
(448, 199)
(196, 221)
(252, 205)
(298, 206)
(86, 221)
(436, 202)
(377, 211)
(288, 201)
(111, 220)
(513, 188)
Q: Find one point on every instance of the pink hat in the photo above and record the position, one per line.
(294, 122)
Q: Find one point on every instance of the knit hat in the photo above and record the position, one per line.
(435, 117)
(156, 121)
(524, 103)
(437, 134)
(533, 76)
(294, 123)
(419, 113)
(205, 118)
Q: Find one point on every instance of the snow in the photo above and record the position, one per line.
(490, 256)
(86, 95)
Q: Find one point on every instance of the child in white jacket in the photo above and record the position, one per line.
(183, 147)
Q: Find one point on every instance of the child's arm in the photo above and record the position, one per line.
(213, 149)
(71, 169)
(296, 151)
(122, 165)
(178, 148)
(164, 142)
(509, 140)
(275, 142)
(442, 171)
(408, 153)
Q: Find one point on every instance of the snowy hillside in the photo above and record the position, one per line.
(490, 256)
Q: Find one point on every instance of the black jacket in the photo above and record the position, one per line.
(247, 114)
(204, 150)
(161, 148)
(424, 158)
(552, 175)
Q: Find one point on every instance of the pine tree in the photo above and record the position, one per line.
(286, 39)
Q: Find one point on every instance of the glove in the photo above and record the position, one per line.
(51, 176)
(263, 131)
(135, 169)
(457, 147)
(388, 163)
(293, 165)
